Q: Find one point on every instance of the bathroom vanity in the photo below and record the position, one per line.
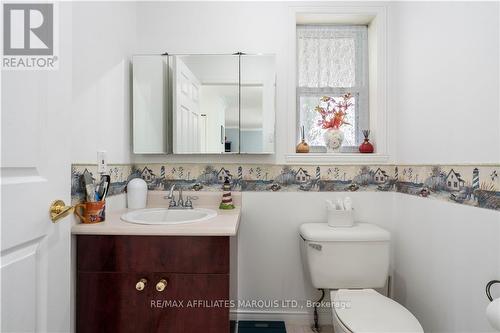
(154, 278)
(124, 283)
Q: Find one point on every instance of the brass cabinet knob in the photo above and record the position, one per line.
(161, 285)
(141, 284)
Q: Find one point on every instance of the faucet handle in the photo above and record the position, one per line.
(189, 202)
(172, 202)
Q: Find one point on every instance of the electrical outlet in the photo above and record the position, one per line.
(102, 163)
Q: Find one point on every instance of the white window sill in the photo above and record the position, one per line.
(340, 158)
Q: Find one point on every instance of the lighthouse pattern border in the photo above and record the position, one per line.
(464, 184)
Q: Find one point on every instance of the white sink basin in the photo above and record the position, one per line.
(168, 216)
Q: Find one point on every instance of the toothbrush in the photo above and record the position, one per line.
(340, 204)
(330, 204)
(102, 190)
(91, 194)
(348, 203)
(89, 186)
(105, 191)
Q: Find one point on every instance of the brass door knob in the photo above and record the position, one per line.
(161, 285)
(141, 284)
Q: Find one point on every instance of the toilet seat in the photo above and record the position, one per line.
(365, 310)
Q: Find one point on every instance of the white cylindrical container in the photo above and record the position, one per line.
(137, 193)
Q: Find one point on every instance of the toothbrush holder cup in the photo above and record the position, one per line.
(91, 212)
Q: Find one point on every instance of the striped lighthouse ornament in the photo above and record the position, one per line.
(240, 176)
(227, 200)
(318, 177)
(475, 180)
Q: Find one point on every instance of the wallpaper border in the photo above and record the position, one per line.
(475, 185)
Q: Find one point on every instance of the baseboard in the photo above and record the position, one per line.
(291, 317)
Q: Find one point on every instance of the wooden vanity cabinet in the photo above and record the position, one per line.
(195, 299)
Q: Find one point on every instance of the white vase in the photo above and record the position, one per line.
(333, 140)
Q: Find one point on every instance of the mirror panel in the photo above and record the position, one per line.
(205, 104)
(258, 86)
(149, 105)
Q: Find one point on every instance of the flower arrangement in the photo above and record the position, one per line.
(334, 111)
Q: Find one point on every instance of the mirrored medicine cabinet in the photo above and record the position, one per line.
(203, 104)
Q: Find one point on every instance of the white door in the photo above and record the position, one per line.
(35, 170)
(186, 109)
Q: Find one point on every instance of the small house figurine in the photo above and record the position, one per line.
(227, 200)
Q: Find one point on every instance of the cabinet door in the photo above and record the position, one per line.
(150, 119)
(109, 302)
(191, 303)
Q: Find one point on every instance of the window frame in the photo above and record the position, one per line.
(376, 19)
(360, 89)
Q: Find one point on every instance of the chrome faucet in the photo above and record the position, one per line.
(179, 204)
(180, 201)
(170, 196)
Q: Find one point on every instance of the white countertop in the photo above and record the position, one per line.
(224, 224)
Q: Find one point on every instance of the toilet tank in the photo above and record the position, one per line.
(345, 257)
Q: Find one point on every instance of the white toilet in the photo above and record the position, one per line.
(349, 261)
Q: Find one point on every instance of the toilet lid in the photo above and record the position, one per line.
(365, 310)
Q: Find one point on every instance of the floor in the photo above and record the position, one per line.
(291, 328)
(295, 328)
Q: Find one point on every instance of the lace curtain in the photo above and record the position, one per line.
(327, 55)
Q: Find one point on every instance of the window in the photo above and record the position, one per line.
(332, 61)
(449, 183)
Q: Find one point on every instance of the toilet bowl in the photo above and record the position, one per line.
(350, 262)
(365, 310)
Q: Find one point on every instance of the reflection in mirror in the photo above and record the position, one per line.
(258, 83)
(205, 103)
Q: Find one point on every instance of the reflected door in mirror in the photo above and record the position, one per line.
(205, 104)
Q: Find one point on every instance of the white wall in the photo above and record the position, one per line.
(104, 36)
(445, 81)
(445, 254)
(445, 96)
